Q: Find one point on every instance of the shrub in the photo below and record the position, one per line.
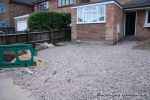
(45, 20)
(67, 18)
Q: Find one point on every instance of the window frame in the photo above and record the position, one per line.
(100, 5)
(69, 4)
(2, 4)
(146, 24)
(47, 5)
(5, 21)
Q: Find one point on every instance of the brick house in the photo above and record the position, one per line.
(13, 8)
(108, 20)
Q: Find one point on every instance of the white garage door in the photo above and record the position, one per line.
(21, 25)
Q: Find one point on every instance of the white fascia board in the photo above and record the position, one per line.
(95, 4)
(23, 16)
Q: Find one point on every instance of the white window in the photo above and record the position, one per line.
(3, 24)
(147, 19)
(44, 5)
(62, 3)
(2, 8)
(91, 14)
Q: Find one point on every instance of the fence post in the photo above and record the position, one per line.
(4, 39)
(28, 37)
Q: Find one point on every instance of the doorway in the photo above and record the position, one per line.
(130, 22)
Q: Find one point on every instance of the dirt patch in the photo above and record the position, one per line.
(39, 62)
(144, 45)
(8, 56)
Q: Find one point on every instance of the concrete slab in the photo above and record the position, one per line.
(9, 91)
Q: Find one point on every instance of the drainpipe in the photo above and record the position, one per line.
(118, 29)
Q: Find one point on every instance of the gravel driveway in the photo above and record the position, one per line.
(90, 71)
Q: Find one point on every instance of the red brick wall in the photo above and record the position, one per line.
(140, 30)
(110, 22)
(118, 19)
(91, 31)
(115, 15)
(35, 7)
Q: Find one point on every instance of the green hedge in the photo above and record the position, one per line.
(67, 18)
(44, 20)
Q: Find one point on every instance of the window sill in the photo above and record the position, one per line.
(147, 25)
(43, 9)
(103, 22)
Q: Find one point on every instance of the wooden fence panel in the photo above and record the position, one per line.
(34, 37)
